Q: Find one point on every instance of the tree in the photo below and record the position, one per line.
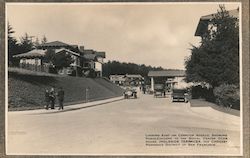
(115, 67)
(44, 39)
(216, 60)
(37, 42)
(58, 60)
(26, 43)
(13, 47)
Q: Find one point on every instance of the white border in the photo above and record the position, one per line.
(124, 3)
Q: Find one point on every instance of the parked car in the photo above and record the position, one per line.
(179, 95)
(159, 90)
(130, 93)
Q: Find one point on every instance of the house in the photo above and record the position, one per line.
(35, 59)
(93, 60)
(205, 22)
(117, 79)
(171, 78)
(84, 60)
(126, 80)
(133, 79)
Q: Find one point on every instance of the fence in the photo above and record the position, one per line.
(33, 67)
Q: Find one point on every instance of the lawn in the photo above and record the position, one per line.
(26, 89)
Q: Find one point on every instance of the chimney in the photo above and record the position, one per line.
(81, 48)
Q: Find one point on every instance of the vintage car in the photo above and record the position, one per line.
(130, 93)
(179, 95)
(159, 90)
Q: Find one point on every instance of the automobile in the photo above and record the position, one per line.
(130, 93)
(159, 90)
(179, 95)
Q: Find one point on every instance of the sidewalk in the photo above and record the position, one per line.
(212, 111)
(69, 107)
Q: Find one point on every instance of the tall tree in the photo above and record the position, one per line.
(216, 60)
(37, 42)
(26, 43)
(44, 39)
(13, 47)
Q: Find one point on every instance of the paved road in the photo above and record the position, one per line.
(120, 128)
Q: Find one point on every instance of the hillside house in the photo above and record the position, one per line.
(93, 60)
(205, 22)
(83, 60)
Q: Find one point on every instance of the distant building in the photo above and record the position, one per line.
(205, 22)
(84, 60)
(171, 78)
(127, 80)
(117, 79)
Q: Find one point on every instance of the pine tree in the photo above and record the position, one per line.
(216, 60)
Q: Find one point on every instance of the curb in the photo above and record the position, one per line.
(92, 104)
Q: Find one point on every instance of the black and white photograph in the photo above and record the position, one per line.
(124, 78)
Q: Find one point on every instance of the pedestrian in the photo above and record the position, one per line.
(52, 98)
(47, 100)
(144, 89)
(60, 97)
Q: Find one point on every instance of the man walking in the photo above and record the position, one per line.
(60, 96)
(47, 99)
(52, 98)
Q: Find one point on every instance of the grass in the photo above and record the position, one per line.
(26, 89)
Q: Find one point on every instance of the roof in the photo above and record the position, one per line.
(54, 44)
(204, 20)
(101, 54)
(117, 76)
(167, 73)
(36, 53)
(89, 56)
(32, 54)
(233, 13)
(133, 75)
(67, 50)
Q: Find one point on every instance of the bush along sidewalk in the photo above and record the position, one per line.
(228, 95)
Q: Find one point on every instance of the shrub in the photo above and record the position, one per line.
(203, 92)
(227, 95)
(197, 92)
(209, 95)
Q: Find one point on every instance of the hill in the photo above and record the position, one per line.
(26, 89)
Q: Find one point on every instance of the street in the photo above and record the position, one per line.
(120, 128)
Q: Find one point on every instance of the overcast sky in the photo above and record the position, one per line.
(153, 34)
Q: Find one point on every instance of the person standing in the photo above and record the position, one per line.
(52, 98)
(47, 99)
(60, 96)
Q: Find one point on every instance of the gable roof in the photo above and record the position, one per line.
(54, 44)
(67, 50)
(31, 54)
(133, 75)
(167, 73)
(36, 53)
(204, 21)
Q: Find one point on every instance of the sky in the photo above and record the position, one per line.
(156, 34)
